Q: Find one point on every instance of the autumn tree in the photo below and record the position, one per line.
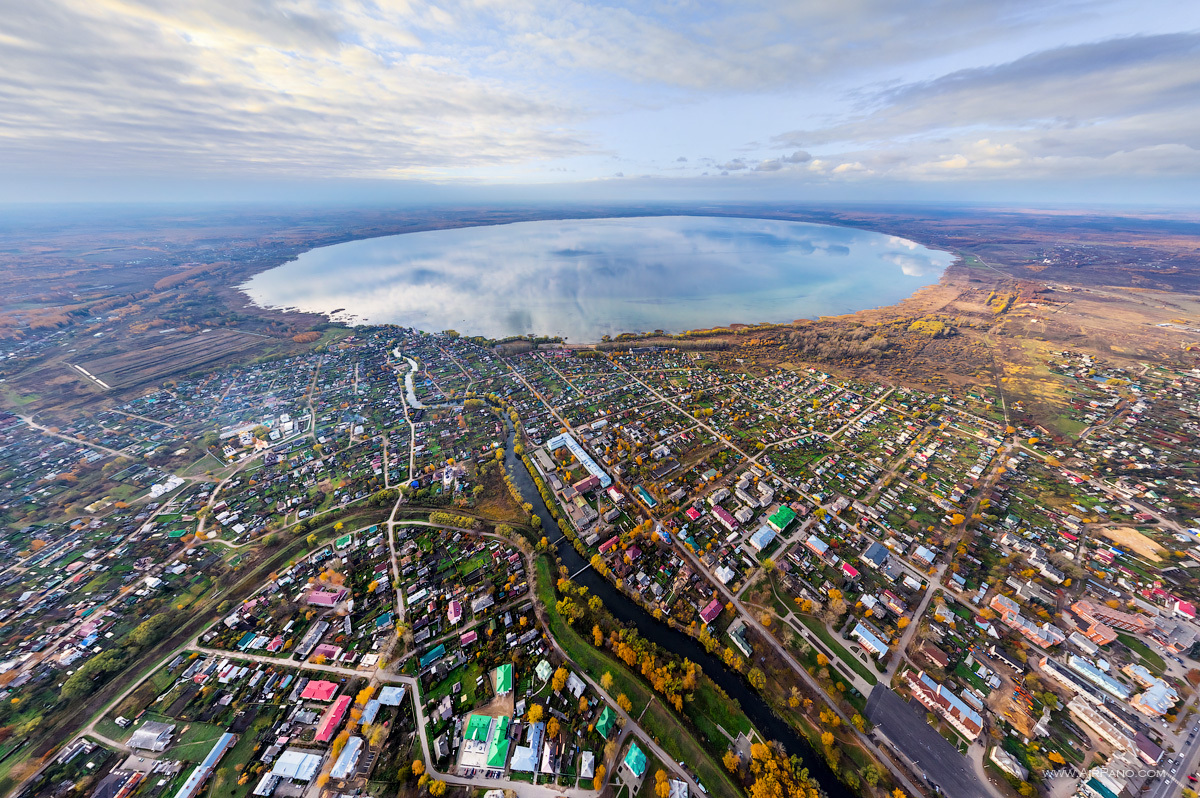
(339, 743)
(830, 718)
(378, 735)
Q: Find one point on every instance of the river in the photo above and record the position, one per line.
(409, 388)
(627, 611)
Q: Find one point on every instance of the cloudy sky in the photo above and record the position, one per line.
(1009, 99)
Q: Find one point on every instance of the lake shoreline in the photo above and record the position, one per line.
(590, 280)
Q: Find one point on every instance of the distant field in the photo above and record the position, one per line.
(178, 353)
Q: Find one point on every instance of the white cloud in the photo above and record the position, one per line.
(494, 90)
(192, 86)
(1120, 106)
(913, 265)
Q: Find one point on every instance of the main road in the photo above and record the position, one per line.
(1174, 772)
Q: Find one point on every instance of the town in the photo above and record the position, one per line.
(428, 564)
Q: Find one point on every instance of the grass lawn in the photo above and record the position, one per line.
(837, 649)
(191, 745)
(969, 676)
(467, 674)
(478, 560)
(710, 708)
(225, 779)
(1153, 661)
(111, 730)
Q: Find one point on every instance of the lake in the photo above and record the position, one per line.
(586, 278)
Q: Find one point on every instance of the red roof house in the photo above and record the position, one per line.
(332, 719)
(318, 690)
(712, 611)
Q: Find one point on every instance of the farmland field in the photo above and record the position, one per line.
(175, 354)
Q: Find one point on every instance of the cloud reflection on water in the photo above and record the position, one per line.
(587, 278)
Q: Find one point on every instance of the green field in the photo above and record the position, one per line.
(838, 650)
(1152, 660)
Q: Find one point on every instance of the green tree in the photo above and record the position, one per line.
(151, 630)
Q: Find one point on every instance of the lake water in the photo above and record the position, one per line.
(583, 279)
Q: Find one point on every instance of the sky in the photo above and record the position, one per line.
(1001, 100)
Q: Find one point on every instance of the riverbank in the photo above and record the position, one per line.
(654, 716)
(626, 611)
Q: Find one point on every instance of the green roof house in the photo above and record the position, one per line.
(504, 679)
(497, 754)
(478, 727)
(635, 760)
(782, 518)
(606, 721)
(433, 656)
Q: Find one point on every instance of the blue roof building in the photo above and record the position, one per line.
(585, 459)
(762, 538)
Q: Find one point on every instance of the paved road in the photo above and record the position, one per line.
(919, 743)
(1171, 784)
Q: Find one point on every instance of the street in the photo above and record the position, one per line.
(1176, 768)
